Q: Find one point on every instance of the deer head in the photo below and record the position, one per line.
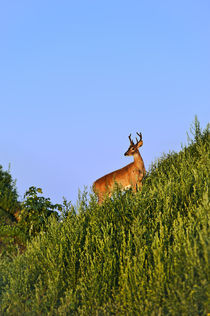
(133, 148)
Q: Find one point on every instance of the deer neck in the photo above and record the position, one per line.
(138, 161)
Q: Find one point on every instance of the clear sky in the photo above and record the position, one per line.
(76, 77)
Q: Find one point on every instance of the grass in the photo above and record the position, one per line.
(136, 254)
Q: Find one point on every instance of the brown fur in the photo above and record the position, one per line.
(130, 175)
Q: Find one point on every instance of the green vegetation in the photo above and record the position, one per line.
(9, 205)
(21, 221)
(8, 197)
(136, 254)
(35, 212)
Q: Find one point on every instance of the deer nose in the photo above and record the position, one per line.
(126, 153)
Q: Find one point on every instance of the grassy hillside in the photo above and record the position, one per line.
(137, 254)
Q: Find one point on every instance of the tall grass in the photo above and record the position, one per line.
(136, 254)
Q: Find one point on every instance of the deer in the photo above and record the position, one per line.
(130, 176)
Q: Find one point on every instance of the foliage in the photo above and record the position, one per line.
(35, 211)
(8, 197)
(136, 254)
(21, 221)
(9, 205)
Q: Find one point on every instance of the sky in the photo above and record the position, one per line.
(77, 77)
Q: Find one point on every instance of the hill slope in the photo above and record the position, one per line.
(144, 253)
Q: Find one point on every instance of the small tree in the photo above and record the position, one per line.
(10, 235)
(8, 198)
(35, 212)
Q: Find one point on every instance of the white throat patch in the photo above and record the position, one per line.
(127, 187)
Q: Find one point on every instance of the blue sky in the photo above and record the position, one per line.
(76, 77)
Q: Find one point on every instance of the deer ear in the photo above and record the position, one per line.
(140, 143)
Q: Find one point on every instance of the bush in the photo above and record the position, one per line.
(8, 197)
(9, 205)
(35, 212)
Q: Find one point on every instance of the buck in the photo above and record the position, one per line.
(129, 176)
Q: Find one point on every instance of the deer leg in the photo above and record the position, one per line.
(100, 199)
(140, 186)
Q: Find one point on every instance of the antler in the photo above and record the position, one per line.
(132, 143)
(140, 135)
